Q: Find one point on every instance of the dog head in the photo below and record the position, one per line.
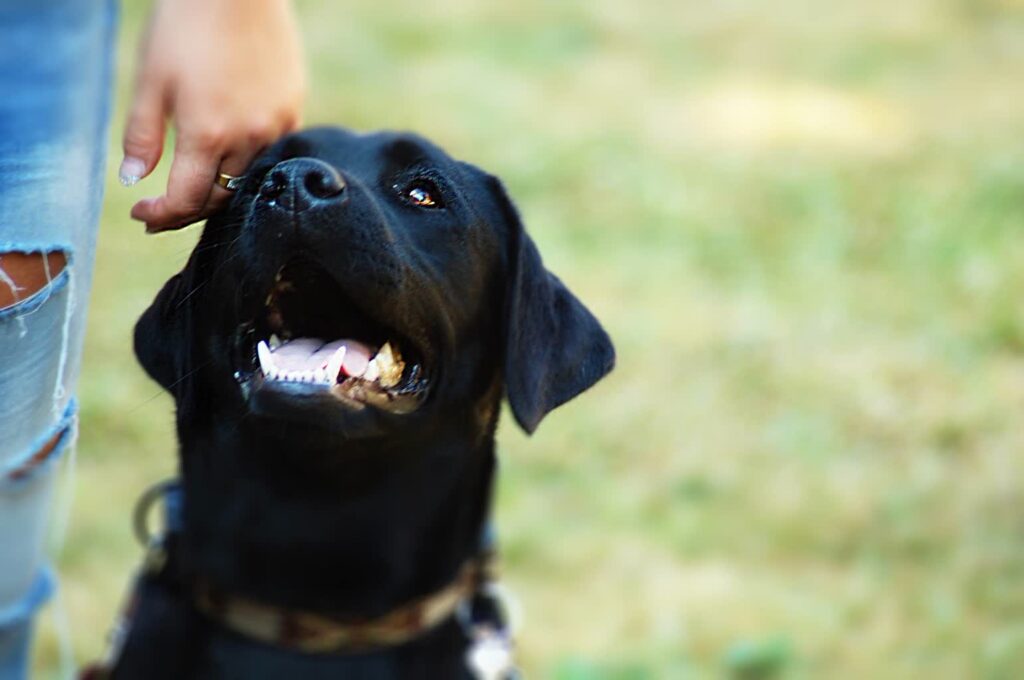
(366, 287)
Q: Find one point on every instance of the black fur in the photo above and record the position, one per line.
(294, 500)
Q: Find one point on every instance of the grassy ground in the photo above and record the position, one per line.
(801, 223)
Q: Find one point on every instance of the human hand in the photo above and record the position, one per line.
(229, 75)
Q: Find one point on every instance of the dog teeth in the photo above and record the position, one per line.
(265, 357)
(316, 376)
(333, 367)
(388, 365)
(372, 372)
(385, 368)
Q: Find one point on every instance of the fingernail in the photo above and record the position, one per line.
(131, 171)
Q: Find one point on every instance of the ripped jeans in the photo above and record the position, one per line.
(55, 71)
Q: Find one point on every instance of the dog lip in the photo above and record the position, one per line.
(351, 395)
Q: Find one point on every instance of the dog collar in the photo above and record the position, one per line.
(307, 631)
(475, 599)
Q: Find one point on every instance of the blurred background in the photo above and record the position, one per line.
(801, 223)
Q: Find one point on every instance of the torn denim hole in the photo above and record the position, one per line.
(27, 486)
(35, 342)
(43, 453)
(27, 280)
(24, 274)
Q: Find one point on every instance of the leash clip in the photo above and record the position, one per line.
(491, 654)
(489, 657)
(169, 490)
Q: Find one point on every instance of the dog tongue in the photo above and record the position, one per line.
(306, 354)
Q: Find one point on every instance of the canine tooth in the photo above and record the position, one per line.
(266, 360)
(389, 365)
(334, 365)
(275, 341)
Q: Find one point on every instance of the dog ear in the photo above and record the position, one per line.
(160, 333)
(554, 347)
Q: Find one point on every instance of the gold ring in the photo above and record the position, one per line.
(229, 182)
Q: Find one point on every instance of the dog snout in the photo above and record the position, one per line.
(300, 183)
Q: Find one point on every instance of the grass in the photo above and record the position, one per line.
(801, 224)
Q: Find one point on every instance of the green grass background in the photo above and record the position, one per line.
(801, 223)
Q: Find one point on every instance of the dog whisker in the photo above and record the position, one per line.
(171, 386)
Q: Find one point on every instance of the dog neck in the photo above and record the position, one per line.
(353, 531)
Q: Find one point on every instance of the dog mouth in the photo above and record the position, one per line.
(311, 336)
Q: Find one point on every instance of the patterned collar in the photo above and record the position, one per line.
(306, 631)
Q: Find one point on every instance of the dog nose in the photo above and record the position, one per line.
(299, 183)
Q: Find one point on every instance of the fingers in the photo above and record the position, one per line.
(143, 135)
(236, 161)
(192, 193)
(188, 190)
(235, 164)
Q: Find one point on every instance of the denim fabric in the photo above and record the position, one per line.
(14, 650)
(55, 68)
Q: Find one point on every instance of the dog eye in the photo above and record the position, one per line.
(424, 194)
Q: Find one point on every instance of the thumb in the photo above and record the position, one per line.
(143, 135)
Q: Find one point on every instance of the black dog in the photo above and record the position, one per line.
(338, 345)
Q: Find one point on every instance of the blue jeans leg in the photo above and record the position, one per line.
(55, 67)
(14, 648)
